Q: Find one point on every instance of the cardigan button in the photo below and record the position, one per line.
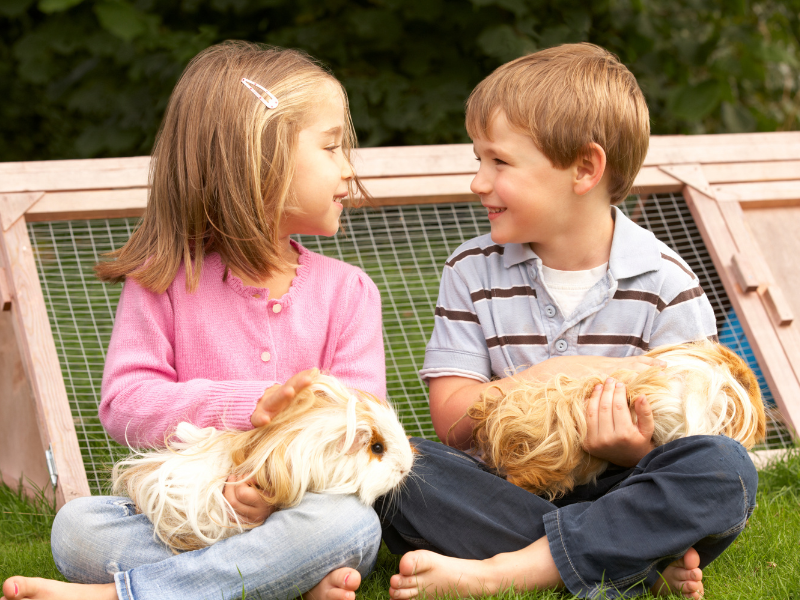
(265, 356)
(276, 308)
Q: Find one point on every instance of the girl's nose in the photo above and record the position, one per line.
(347, 170)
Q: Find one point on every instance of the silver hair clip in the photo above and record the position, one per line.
(271, 103)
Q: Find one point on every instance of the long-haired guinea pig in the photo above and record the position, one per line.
(534, 434)
(329, 440)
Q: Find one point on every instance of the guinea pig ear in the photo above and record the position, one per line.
(362, 439)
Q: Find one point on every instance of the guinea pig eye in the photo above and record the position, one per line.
(377, 448)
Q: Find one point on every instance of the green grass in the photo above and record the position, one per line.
(762, 564)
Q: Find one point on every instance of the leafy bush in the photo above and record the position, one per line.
(89, 78)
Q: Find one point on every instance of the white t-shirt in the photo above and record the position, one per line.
(568, 288)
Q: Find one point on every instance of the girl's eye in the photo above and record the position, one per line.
(497, 161)
(377, 448)
(333, 148)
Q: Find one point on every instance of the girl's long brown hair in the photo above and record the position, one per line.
(222, 166)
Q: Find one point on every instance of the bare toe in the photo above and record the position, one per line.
(340, 584)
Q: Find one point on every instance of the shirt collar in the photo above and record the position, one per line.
(634, 250)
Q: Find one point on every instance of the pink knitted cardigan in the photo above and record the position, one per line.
(208, 356)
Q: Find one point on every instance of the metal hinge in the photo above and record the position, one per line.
(51, 465)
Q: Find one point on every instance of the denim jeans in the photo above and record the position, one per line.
(615, 535)
(101, 539)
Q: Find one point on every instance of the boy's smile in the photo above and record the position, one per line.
(530, 201)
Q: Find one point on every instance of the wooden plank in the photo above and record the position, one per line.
(22, 458)
(40, 361)
(742, 172)
(743, 273)
(85, 174)
(387, 191)
(764, 458)
(759, 191)
(767, 346)
(92, 204)
(778, 306)
(764, 236)
(5, 290)
(690, 174)
(390, 190)
(444, 159)
(776, 232)
(723, 148)
(652, 180)
(405, 161)
(13, 206)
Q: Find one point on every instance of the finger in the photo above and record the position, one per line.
(605, 416)
(303, 379)
(621, 412)
(592, 410)
(249, 495)
(644, 417)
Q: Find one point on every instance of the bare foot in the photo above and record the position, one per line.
(34, 588)
(682, 576)
(340, 584)
(426, 574)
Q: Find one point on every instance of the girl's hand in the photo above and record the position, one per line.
(278, 397)
(611, 434)
(247, 502)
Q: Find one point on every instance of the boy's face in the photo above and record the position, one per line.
(528, 199)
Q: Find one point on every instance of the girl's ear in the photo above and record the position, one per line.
(589, 169)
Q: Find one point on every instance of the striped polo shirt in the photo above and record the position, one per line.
(494, 315)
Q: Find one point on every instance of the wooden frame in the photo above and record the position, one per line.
(742, 190)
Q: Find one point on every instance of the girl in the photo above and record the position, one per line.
(222, 319)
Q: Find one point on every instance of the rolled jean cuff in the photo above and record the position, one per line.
(575, 583)
(123, 584)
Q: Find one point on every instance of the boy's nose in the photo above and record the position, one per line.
(480, 185)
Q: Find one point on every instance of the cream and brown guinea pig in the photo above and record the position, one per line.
(329, 440)
(534, 434)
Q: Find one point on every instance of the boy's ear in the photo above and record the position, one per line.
(589, 169)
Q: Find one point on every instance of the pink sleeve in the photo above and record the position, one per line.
(141, 398)
(359, 360)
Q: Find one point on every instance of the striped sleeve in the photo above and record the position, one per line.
(687, 316)
(457, 346)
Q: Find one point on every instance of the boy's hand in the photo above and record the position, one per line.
(247, 502)
(612, 434)
(278, 397)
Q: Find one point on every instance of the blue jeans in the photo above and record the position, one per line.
(615, 535)
(101, 539)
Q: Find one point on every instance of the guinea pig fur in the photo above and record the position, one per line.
(329, 440)
(534, 434)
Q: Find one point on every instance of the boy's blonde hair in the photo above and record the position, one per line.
(565, 98)
(222, 166)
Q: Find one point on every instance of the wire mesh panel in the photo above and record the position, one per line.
(403, 249)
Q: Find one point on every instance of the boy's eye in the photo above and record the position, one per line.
(497, 161)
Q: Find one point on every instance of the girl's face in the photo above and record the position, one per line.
(321, 173)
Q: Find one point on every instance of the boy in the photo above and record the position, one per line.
(564, 283)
